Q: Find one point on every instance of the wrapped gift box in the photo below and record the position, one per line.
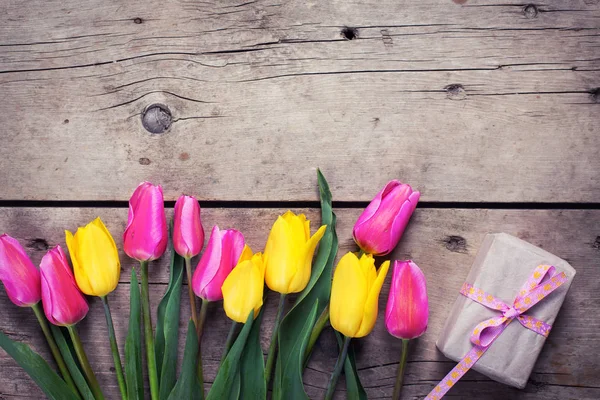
(502, 265)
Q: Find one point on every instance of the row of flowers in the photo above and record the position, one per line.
(227, 270)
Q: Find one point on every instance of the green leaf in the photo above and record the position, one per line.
(72, 364)
(316, 294)
(38, 369)
(188, 386)
(354, 389)
(252, 366)
(133, 344)
(167, 328)
(224, 383)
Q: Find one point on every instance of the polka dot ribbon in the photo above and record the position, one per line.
(540, 284)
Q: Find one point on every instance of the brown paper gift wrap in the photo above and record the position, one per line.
(502, 266)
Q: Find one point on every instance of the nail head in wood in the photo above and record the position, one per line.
(157, 118)
(138, 20)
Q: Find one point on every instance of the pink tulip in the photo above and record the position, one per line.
(221, 255)
(188, 233)
(20, 277)
(145, 238)
(407, 308)
(380, 226)
(63, 303)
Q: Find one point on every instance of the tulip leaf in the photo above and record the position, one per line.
(354, 389)
(229, 370)
(72, 364)
(290, 365)
(38, 369)
(188, 386)
(133, 344)
(167, 328)
(252, 366)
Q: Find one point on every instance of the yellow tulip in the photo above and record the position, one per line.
(243, 287)
(289, 252)
(95, 259)
(355, 293)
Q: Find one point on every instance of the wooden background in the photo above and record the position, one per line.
(489, 108)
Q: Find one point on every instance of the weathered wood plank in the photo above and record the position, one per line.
(475, 102)
(442, 241)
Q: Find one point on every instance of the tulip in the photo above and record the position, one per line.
(20, 277)
(288, 259)
(289, 252)
(95, 259)
(188, 234)
(97, 270)
(145, 237)
(243, 288)
(221, 255)
(64, 305)
(379, 228)
(353, 305)
(354, 294)
(407, 310)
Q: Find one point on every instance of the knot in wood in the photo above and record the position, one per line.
(349, 33)
(157, 118)
(530, 11)
(456, 91)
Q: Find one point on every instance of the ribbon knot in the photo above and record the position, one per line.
(540, 284)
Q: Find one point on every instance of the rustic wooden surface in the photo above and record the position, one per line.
(442, 241)
(489, 108)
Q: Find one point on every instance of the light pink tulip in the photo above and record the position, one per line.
(20, 277)
(407, 310)
(63, 303)
(380, 226)
(188, 233)
(220, 257)
(145, 237)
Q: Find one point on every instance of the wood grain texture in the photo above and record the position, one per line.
(481, 101)
(442, 241)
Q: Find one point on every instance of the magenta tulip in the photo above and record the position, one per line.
(64, 304)
(145, 237)
(221, 255)
(380, 226)
(188, 233)
(407, 308)
(20, 277)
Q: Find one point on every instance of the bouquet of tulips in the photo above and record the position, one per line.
(227, 270)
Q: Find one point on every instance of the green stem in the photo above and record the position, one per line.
(361, 253)
(148, 333)
(230, 339)
(188, 270)
(114, 348)
(54, 348)
(273, 345)
(401, 368)
(200, 332)
(316, 331)
(339, 365)
(85, 364)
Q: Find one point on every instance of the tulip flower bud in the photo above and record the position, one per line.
(221, 255)
(20, 277)
(407, 308)
(145, 237)
(243, 288)
(63, 302)
(188, 233)
(379, 228)
(355, 293)
(95, 258)
(289, 253)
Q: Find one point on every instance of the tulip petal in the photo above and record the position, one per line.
(209, 262)
(243, 289)
(348, 296)
(20, 277)
(371, 305)
(280, 255)
(402, 218)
